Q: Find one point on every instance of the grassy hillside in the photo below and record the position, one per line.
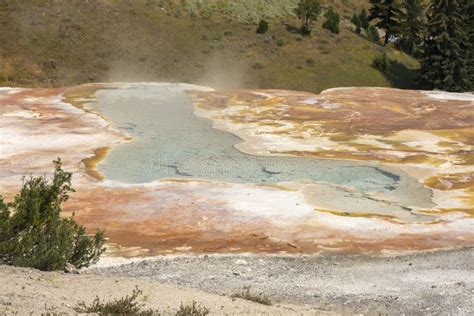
(250, 11)
(56, 43)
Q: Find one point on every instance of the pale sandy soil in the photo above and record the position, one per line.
(27, 291)
(434, 283)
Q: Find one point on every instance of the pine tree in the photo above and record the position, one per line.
(364, 20)
(470, 24)
(361, 21)
(356, 21)
(447, 48)
(412, 26)
(387, 14)
(373, 34)
(262, 27)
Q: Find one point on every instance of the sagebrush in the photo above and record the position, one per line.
(127, 305)
(33, 233)
(192, 309)
(257, 298)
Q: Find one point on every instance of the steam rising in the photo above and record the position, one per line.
(221, 72)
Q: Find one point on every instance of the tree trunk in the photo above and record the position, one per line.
(387, 37)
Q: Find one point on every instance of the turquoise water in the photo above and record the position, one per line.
(170, 142)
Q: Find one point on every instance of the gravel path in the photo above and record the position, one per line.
(428, 283)
(431, 283)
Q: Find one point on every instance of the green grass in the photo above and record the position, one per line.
(131, 40)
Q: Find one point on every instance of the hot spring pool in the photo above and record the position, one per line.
(169, 141)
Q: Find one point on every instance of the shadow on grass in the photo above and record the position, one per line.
(401, 76)
(293, 29)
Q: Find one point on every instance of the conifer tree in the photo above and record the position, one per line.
(361, 21)
(262, 27)
(364, 20)
(356, 21)
(470, 24)
(373, 34)
(412, 26)
(447, 48)
(387, 14)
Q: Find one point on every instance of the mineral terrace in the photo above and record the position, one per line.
(426, 135)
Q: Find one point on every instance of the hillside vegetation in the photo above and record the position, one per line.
(57, 43)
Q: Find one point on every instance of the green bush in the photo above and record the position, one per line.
(262, 27)
(257, 298)
(361, 21)
(192, 309)
(128, 305)
(33, 233)
(332, 21)
(123, 306)
(364, 20)
(373, 34)
(308, 12)
(380, 62)
(356, 21)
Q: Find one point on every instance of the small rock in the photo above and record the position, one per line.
(70, 268)
(241, 262)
